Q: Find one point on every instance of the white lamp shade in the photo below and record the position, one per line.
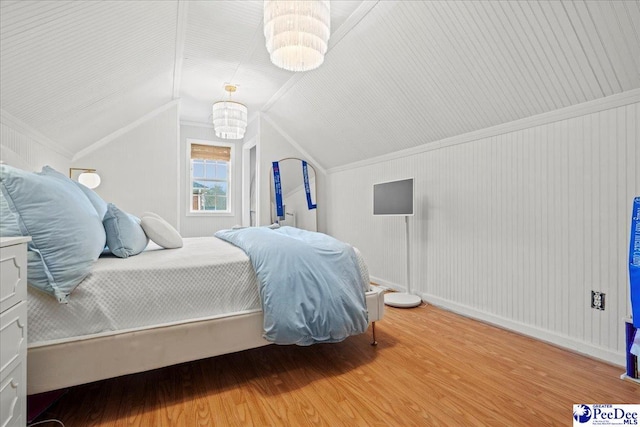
(297, 33)
(229, 119)
(89, 179)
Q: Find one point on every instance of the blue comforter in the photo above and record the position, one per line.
(310, 284)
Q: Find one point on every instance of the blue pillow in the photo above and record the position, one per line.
(67, 234)
(97, 202)
(8, 220)
(125, 236)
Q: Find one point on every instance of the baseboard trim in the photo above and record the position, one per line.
(559, 340)
(550, 337)
(385, 284)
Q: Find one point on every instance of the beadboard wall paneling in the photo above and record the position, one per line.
(397, 74)
(79, 70)
(196, 226)
(516, 228)
(416, 72)
(139, 169)
(30, 151)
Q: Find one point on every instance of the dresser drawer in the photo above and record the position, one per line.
(13, 276)
(13, 337)
(13, 402)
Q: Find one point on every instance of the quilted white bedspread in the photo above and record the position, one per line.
(204, 278)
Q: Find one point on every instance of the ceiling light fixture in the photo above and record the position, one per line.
(229, 117)
(297, 33)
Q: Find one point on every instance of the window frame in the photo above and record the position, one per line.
(189, 178)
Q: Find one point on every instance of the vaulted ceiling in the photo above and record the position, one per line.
(398, 73)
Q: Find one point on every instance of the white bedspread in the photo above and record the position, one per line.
(205, 278)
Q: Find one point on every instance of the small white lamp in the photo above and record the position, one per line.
(88, 177)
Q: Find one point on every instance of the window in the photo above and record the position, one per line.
(209, 176)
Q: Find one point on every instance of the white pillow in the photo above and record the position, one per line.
(155, 215)
(160, 231)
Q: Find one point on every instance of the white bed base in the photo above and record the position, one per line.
(65, 364)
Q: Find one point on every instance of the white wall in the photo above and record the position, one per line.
(515, 225)
(194, 226)
(139, 169)
(22, 150)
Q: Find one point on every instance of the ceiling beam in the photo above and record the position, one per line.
(181, 31)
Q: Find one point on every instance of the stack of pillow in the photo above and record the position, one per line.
(70, 225)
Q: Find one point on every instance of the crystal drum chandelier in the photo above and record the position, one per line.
(229, 117)
(297, 33)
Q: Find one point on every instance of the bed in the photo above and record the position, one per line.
(110, 328)
(158, 308)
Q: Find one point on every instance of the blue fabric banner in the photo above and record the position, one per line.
(278, 189)
(307, 189)
(634, 262)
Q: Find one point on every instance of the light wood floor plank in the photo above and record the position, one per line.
(431, 368)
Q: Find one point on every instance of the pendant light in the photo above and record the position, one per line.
(297, 33)
(229, 117)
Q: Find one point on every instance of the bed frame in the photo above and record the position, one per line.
(56, 366)
(59, 365)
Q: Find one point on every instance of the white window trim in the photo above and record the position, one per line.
(230, 188)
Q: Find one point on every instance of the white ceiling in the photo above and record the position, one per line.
(398, 73)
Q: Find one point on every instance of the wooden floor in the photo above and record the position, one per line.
(431, 368)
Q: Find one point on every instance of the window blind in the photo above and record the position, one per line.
(210, 152)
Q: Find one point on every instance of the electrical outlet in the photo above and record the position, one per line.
(597, 300)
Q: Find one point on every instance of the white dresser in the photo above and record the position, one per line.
(13, 331)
